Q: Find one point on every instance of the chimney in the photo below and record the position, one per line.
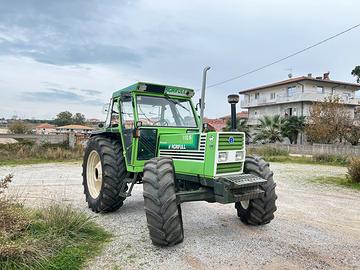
(309, 75)
(326, 76)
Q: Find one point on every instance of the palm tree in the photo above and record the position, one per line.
(241, 125)
(292, 126)
(269, 129)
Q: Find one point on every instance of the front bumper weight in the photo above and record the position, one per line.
(253, 194)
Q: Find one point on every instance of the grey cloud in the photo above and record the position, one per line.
(91, 92)
(53, 95)
(66, 32)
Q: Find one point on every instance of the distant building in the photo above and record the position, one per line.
(293, 97)
(45, 129)
(78, 129)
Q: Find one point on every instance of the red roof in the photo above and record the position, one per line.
(45, 125)
(215, 124)
(299, 79)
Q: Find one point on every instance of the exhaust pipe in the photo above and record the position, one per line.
(233, 100)
(202, 100)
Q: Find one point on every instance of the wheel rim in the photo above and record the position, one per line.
(94, 174)
(245, 204)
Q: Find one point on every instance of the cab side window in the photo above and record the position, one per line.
(127, 114)
(114, 122)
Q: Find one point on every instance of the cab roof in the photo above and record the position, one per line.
(157, 89)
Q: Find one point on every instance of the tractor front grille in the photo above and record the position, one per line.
(229, 167)
(231, 141)
(196, 155)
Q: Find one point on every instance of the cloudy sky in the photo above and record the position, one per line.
(71, 55)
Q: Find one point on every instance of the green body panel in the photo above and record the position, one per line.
(195, 153)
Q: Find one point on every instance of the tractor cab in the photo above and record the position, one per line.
(143, 112)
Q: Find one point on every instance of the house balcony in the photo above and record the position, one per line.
(296, 97)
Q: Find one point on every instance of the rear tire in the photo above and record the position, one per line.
(163, 215)
(258, 211)
(112, 169)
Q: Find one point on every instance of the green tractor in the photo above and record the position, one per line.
(153, 136)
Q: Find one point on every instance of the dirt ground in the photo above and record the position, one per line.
(316, 226)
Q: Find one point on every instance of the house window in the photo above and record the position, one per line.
(320, 89)
(257, 95)
(291, 91)
(290, 112)
(272, 96)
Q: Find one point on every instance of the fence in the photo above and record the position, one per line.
(70, 138)
(315, 149)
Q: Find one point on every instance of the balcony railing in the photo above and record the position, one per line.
(296, 97)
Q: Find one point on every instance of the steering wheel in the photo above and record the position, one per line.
(162, 122)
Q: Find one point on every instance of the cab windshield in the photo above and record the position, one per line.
(162, 111)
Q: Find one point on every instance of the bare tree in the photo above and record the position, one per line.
(328, 121)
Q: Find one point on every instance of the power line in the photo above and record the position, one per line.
(284, 58)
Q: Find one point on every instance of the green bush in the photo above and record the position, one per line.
(354, 170)
(268, 151)
(335, 159)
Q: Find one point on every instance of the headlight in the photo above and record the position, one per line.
(222, 156)
(239, 155)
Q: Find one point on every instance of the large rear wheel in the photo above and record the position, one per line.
(258, 211)
(104, 172)
(162, 212)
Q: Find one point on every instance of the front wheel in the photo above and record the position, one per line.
(104, 172)
(163, 215)
(258, 211)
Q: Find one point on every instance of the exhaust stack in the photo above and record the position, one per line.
(233, 100)
(202, 100)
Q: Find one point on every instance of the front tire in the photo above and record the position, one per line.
(104, 171)
(258, 211)
(162, 212)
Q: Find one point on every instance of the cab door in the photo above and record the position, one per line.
(127, 125)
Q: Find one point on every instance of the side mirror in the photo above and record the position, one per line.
(101, 125)
(138, 124)
(105, 108)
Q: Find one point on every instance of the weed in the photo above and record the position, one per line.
(53, 237)
(354, 170)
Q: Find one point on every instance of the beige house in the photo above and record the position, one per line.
(295, 96)
(78, 129)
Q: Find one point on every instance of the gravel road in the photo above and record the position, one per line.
(316, 226)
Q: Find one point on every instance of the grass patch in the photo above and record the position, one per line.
(273, 154)
(30, 153)
(28, 161)
(303, 160)
(339, 181)
(54, 237)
